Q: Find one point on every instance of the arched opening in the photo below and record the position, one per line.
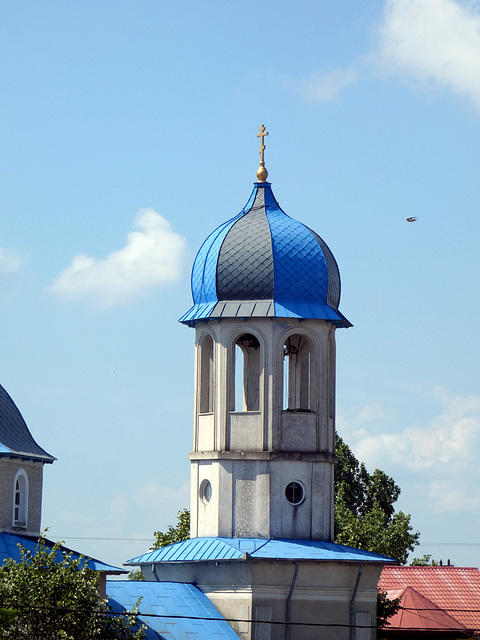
(206, 375)
(297, 373)
(247, 373)
(20, 499)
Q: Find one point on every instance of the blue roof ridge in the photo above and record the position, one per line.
(209, 548)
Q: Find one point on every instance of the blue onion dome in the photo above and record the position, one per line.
(262, 263)
(16, 441)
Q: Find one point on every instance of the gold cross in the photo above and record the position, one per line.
(261, 135)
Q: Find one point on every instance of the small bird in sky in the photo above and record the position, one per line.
(412, 219)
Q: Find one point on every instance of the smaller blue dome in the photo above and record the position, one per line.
(264, 263)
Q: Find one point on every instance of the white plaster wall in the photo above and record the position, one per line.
(321, 595)
(239, 452)
(245, 431)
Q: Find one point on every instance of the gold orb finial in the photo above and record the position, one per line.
(262, 173)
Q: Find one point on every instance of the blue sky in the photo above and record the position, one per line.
(128, 134)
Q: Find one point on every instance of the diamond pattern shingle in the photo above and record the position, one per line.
(264, 255)
(245, 261)
(300, 268)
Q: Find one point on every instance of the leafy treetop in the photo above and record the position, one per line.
(174, 534)
(50, 595)
(365, 517)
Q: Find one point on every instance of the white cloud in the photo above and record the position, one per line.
(326, 87)
(455, 494)
(433, 40)
(9, 261)
(442, 455)
(452, 436)
(152, 257)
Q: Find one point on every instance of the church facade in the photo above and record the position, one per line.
(21, 472)
(266, 293)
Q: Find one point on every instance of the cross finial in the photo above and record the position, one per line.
(262, 173)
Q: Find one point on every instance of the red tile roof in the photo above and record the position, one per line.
(434, 597)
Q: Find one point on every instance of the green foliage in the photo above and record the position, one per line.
(386, 608)
(50, 595)
(425, 561)
(174, 534)
(136, 575)
(365, 517)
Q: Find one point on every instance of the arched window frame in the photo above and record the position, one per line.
(299, 372)
(247, 380)
(206, 386)
(20, 499)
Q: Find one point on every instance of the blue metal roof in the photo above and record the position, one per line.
(201, 549)
(264, 256)
(185, 613)
(9, 549)
(15, 438)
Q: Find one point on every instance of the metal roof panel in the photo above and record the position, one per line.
(201, 549)
(9, 549)
(171, 611)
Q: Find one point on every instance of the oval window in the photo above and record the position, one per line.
(206, 491)
(295, 493)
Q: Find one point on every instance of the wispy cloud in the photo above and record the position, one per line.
(435, 41)
(453, 435)
(152, 257)
(324, 87)
(10, 261)
(441, 454)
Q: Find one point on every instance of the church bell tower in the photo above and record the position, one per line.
(266, 292)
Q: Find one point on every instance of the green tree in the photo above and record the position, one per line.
(174, 534)
(386, 608)
(136, 575)
(365, 517)
(50, 595)
(425, 561)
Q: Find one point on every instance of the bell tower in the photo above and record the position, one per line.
(266, 292)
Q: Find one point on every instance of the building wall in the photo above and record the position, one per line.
(273, 593)
(250, 455)
(34, 472)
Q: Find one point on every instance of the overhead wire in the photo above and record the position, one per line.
(420, 544)
(139, 614)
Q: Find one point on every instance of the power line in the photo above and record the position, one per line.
(151, 539)
(449, 544)
(97, 538)
(138, 614)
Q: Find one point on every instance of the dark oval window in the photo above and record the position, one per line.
(295, 493)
